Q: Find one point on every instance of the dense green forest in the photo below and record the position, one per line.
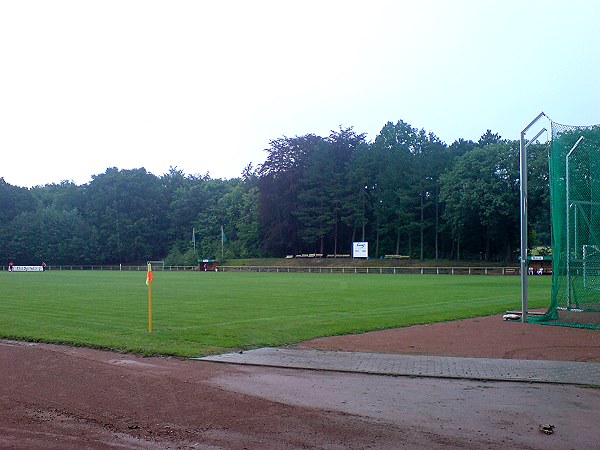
(406, 192)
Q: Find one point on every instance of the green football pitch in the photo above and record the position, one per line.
(203, 313)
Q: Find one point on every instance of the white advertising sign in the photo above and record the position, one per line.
(360, 249)
(28, 269)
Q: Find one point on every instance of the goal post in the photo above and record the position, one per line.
(157, 265)
(591, 266)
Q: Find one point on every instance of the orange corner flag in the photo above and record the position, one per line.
(149, 277)
(149, 280)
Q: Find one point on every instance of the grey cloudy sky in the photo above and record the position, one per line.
(203, 86)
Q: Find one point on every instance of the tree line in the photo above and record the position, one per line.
(406, 193)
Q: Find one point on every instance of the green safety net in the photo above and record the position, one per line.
(575, 209)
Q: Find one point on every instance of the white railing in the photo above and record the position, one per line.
(379, 270)
(294, 269)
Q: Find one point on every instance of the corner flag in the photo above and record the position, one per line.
(149, 280)
(149, 277)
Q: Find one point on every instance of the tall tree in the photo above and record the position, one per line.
(482, 200)
(324, 192)
(129, 211)
(488, 138)
(278, 183)
(390, 189)
(13, 201)
(53, 235)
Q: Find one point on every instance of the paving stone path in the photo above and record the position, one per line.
(560, 372)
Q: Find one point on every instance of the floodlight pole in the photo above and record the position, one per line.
(523, 189)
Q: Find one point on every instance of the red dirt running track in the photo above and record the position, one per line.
(61, 397)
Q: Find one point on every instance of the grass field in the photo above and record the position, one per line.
(203, 313)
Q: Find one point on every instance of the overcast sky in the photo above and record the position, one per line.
(204, 86)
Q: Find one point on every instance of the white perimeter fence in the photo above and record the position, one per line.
(278, 269)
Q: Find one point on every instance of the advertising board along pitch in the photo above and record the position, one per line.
(27, 268)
